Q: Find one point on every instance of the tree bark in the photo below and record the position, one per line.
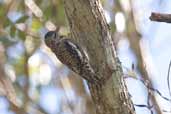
(89, 28)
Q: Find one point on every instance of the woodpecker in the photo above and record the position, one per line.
(71, 55)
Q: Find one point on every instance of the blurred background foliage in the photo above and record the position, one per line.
(33, 81)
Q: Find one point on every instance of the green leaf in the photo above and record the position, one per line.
(22, 35)
(3, 14)
(5, 41)
(36, 25)
(22, 19)
(2, 11)
(7, 22)
(13, 31)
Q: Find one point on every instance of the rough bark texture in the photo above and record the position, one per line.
(90, 30)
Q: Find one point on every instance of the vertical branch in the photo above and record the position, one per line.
(26, 85)
(90, 30)
(168, 78)
(134, 38)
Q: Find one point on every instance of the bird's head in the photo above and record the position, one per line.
(51, 38)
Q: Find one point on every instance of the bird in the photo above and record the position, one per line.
(72, 55)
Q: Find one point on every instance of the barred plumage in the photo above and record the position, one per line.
(70, 54)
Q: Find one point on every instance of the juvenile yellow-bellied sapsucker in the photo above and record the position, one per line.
(72, 55)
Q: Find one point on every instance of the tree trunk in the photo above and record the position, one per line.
(89, 28)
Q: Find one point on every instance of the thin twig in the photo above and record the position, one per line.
(160, 17)
(166, 111)
(168, 78)
(148, 87)
(143, 105)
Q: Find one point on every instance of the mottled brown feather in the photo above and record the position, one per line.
(72, 55)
